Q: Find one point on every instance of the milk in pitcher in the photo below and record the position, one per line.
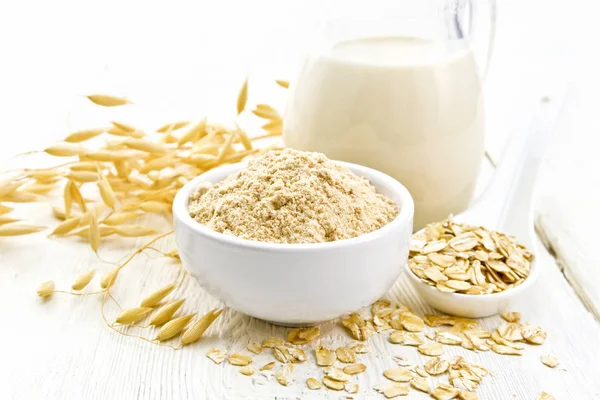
(409, 107)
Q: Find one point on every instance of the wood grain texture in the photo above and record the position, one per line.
(67, 352)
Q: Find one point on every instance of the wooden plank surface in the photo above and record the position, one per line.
(61, 348)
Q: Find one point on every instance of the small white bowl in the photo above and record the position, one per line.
(296, 284)
(473, 306)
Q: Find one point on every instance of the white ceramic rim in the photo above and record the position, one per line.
(530, 280)
(405, 213)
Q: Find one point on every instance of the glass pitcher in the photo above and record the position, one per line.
(398, 88)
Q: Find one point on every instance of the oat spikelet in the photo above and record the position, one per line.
(109, 279)
(145, 145)
(7, 220)
(155, 207)
(172, 126)
(155, 297)
(82, 136)
(108, 155)
(94, 232)
(267, 112)
(68, 199)
(119, 218)
(132, 315)
(83, 176)
(123, 127)
(76, 196)
(43, 174)
(106, 191)
(83, 280)
(195, 132)
(242, 97)
(173, 327)
(106, 100)
(65, 150)
(19, 229)
(46, 289)
(9, 187)
(4, 209)
(197, 329)
(165, 313)
(134, 230)
(246, 142)
(283, 84)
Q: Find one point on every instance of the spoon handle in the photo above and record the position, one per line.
(506, 203)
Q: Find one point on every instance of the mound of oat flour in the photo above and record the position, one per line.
(291, 196)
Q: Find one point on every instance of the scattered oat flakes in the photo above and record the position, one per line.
(397, 389)
(436, 366)
(313, 384)
(268, 366)
(359, 348)
(272, 342)
(398, 374)
(411, 322)
(510, 331)
(345, 355)
(285, 375)
(239, 359)
(302, 336)
(255, 348)
(431, 349)
(448, 337)
(500, 340)
(546, 396)
(405, 338)
(351, 387)
(511, 316)
(420, 383)
(550, 361)
(358, 327)
(325, 357)
(466, 395)
(421, 372)
(444, 392)
(217, 355)
(287, 354)
(298, 355)
(533, 334)
(332, 383)
(354, 369)
(465, 384)
(510, 351)
(336, 374)
(247, 370)
(439, 320)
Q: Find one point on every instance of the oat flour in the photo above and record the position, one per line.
(290, 196)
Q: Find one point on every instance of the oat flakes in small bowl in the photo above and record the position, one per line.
(467, 270)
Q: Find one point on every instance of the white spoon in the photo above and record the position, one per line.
(505, 206)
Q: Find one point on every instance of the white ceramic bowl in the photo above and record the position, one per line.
(474, 306)
(296, 284)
